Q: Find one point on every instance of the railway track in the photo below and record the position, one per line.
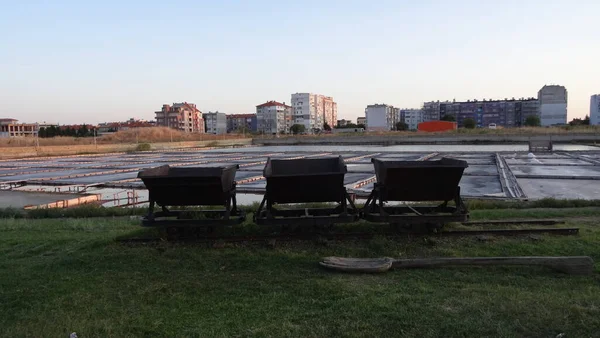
(348, 236)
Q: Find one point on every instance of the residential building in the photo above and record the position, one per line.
(313, 110)
(431, 111)
(343, 123)
(45, 124)
(181, 116)
(553, 105)
(215, 122)
(307, 110)
(273, 117)
(507, 113)
(412, 117)
(595, 110)
(111, 127)
(525, 108)
(11, 128)
(381, 117)
(329, 111)
(361, 120)
(241, 122)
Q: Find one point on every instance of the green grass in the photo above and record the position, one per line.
(69, 275)
(541, 203)
(473, 205)
(534, 213)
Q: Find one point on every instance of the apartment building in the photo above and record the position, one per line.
(273, 117)
(112, 127)
(381, 117)
(236, 122)
(181, 116)
(342, 123)
(553, 105)
(313, 110)
(329, 111)
(412, 117)
(215, 122)
(525, 108)
(11, 128)
(507, 113)
(431, 111)
(595, 110)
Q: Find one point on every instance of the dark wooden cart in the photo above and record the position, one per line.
(417, 181)
(305, 181)
(187, 187)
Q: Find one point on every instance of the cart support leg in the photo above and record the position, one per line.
(150, 215)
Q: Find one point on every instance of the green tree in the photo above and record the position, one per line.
(448, 117)
(297, 129)
(326, 126)
(401, 126)
(51, 131)
(83, 131)
(533, 121)
(580, 122)
(469, 123)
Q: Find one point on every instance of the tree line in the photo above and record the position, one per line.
(52, 131)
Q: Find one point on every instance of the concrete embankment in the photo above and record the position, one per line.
(428, 139)
(21, 152)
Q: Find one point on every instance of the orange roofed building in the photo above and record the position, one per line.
(181, 116)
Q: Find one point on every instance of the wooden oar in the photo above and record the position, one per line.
(574, 265)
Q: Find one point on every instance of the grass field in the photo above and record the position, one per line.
(130, 136)
(69, 275)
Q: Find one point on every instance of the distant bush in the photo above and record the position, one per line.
(297, 129)
(143, 147)
(469, 123)
(533, 121)
(401, 126)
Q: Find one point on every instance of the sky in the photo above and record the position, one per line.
(83, 61)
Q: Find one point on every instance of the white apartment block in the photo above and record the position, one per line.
(273, 117)
(595, 110)
(381, 117)
(412, 117)
(215, 122)
(553, 105)
(313, 110)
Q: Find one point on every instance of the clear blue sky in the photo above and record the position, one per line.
(74, 61)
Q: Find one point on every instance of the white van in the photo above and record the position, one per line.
(492, 126)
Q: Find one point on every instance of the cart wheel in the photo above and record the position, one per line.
(434, 227)
(172, 233)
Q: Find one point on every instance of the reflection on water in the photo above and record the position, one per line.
(407, 148)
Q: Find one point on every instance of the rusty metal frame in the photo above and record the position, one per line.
(375, 211)
(344, 212)
(231, 215)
